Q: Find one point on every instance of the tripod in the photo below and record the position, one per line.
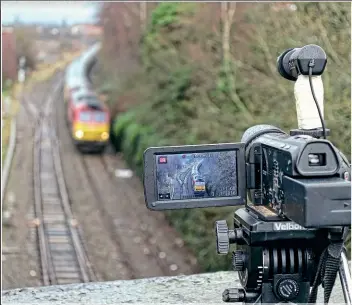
(345, 278)
(280, 261)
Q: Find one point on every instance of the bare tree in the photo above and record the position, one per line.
(227, 12)
(143, 14)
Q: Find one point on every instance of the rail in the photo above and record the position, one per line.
(62, 255)
(5, 173)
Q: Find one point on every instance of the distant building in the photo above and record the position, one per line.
(280, 6)
(8, 51)
(86, 29)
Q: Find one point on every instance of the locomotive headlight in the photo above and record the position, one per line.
(104, 135)
(79, 134)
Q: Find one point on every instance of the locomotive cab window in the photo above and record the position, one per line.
(84, 116)
(99, 117)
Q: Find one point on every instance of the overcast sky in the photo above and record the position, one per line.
(48, 11)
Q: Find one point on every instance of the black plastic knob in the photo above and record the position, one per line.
(287, 289)
(222, 237)
(234, 295)
(238, 260)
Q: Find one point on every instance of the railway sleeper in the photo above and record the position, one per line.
(73, 268)
(59, 239)
(70, 267)
(67, 275)
(61, 263)
(49, 183)
(51, 200)
(53, 210)
(53, 218)
(57, 231)
(64, 259)
(49, 188)
(49, 193)
(47, 174)
(69, 262)
(46, 161)
(62, 252)
(52, 206)
(46, 165)
(51, 223)
(67, 281)
(57, 227)
(61, 248)
(56, 223)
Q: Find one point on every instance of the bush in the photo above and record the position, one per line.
(119, 127)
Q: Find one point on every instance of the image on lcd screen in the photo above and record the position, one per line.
(196, 175)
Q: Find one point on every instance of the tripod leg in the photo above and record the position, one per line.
(345, 278)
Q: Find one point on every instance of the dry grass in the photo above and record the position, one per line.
(46, 71)
(7, 118)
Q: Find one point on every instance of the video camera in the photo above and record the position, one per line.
(298, 188)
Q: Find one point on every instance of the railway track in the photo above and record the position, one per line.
(126, 234)
(131, 271)
(62, 253)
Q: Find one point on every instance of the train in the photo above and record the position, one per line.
(198, 186)
(198, 182)
(87, 117)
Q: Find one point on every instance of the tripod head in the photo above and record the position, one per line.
(276, 260)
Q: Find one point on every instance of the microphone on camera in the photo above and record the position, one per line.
(305, 66)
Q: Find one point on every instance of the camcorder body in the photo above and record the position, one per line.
(298, 178)
(295, 189)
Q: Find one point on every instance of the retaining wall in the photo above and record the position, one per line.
(202, 289)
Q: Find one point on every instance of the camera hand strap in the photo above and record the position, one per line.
(328, 267)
